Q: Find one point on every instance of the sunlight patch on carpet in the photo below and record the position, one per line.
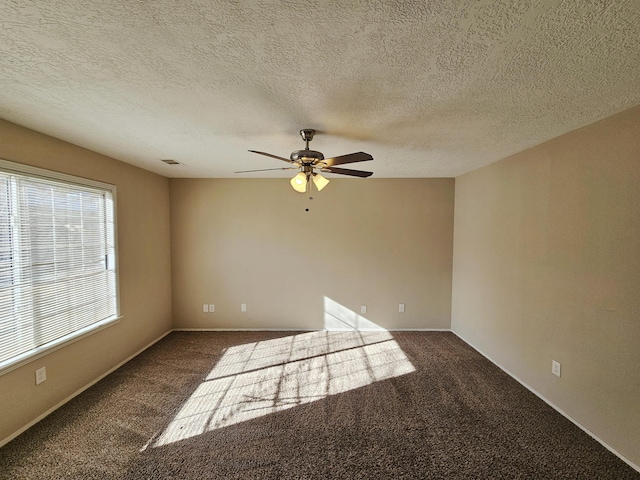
(266, 377)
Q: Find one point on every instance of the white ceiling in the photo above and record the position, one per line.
(429, 88)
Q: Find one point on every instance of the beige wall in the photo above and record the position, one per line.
(144, 272)
(378, 242)
(547, 266)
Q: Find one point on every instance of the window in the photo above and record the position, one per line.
(58, 277)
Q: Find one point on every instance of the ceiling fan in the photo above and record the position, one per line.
(307, 161)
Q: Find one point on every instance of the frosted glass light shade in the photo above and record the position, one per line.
(299, 182)
(320, 181)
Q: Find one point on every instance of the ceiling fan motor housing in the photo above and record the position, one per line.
(307, 156)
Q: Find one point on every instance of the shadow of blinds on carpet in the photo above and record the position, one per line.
(261, 378)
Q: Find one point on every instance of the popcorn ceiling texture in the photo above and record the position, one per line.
(430, 88)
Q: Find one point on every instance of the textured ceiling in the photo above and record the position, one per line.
(430, 89)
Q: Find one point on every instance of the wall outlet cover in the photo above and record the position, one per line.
(41, 375)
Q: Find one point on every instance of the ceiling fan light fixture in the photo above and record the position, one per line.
(299, 182)
(308, 161)
(320, 181)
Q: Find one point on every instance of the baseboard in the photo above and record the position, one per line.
(78, 392)
(419, 330)
(308, 330)
(555, 407)
(244, 330)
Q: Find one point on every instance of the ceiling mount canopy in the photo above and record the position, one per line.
(307, 161)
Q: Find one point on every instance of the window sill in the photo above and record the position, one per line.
(36, 353)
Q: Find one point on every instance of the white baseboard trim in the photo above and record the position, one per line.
(244, 330)
(309, 330)
(419, 330)
(6, 440)
(552, 405)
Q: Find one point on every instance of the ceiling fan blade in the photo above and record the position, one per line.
(348, 158)
(267, 169)
(272, 156)
(346, 171)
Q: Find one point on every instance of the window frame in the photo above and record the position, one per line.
(29, 356)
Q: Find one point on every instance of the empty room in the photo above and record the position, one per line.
(323, 239)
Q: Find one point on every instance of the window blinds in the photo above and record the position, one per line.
(57, 263)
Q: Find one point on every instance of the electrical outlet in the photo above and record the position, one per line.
(41, 375)
(363, 309)
(243, 307)
(555, 368)
(212, 308)
(401, 307)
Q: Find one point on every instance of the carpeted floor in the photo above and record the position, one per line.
(316, 405)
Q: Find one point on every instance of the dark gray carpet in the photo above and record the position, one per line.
(305, 410)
